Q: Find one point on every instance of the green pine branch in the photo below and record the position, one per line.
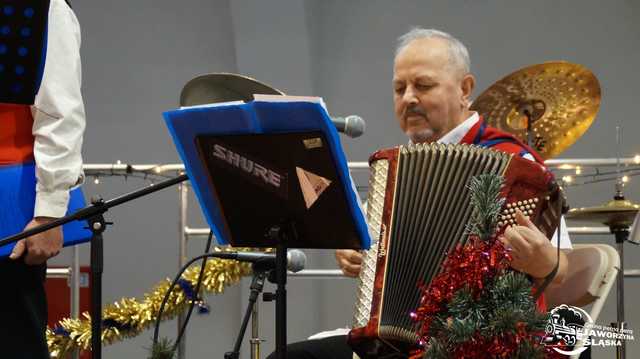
(435, 350)
(528, 350)
(504, 305)
(163, 349)
(487, 203)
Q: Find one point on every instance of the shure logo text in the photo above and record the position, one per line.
(246, 165)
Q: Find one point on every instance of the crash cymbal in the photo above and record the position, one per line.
(223, 87)
(561, 98)
(617, 213)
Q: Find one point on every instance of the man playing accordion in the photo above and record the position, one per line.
(432, 86)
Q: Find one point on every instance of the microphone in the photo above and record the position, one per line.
(296, 259)
(352, 126)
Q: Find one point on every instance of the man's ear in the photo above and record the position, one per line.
(467, 85)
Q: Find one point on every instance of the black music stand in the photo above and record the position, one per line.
(270, 174)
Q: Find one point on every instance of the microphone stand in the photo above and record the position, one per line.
(260, 273)
(94, 215)
(282, 235)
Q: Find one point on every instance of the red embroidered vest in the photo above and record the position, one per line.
(16, 138)
(24, 44)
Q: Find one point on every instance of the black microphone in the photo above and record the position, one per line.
(296, 259)
(352, 126)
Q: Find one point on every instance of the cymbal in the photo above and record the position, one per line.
(561, 98)
(223, 87)
(617, 213)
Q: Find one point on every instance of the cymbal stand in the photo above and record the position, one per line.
(622, 234)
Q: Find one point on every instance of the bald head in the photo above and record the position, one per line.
(457, 54)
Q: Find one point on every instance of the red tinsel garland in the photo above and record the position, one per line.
(471, 266)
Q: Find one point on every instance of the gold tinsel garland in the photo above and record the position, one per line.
(136, 315)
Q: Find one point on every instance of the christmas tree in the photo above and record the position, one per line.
(477, 307)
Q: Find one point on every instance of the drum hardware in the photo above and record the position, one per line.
(618, 215)
(223, 87)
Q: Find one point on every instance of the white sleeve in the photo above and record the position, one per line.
(565, 240)
(58, 115)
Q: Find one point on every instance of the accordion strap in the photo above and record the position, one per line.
(549, 278)
(489, 137)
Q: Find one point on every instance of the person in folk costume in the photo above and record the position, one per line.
(42, 121)
(432, 88)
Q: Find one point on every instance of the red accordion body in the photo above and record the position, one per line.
(418, 209)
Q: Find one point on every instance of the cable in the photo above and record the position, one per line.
(607, 179)
(171, 287)
(186, 319)
(589, 175)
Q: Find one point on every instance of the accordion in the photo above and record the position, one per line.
(418, 209)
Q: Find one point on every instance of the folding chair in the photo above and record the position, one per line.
(591, 274)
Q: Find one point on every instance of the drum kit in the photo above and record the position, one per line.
(549, 106)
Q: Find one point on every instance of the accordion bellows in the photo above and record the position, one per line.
(417, 210)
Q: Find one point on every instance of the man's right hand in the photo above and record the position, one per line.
(349, 261)
(41, 246)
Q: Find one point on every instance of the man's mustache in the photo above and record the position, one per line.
(415, 110)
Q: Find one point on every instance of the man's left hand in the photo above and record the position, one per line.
(530, 249)
(41, 246)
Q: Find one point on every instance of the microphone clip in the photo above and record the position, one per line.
(263, 265)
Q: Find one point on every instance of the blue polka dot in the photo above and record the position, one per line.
(16, 88)
(3, 49)
(8, 10)
(22, 51)
(5, 30)
(25, 32)
(19, 70)
(29, 12)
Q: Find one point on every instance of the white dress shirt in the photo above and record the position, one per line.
(58, 115)
(457, 134)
